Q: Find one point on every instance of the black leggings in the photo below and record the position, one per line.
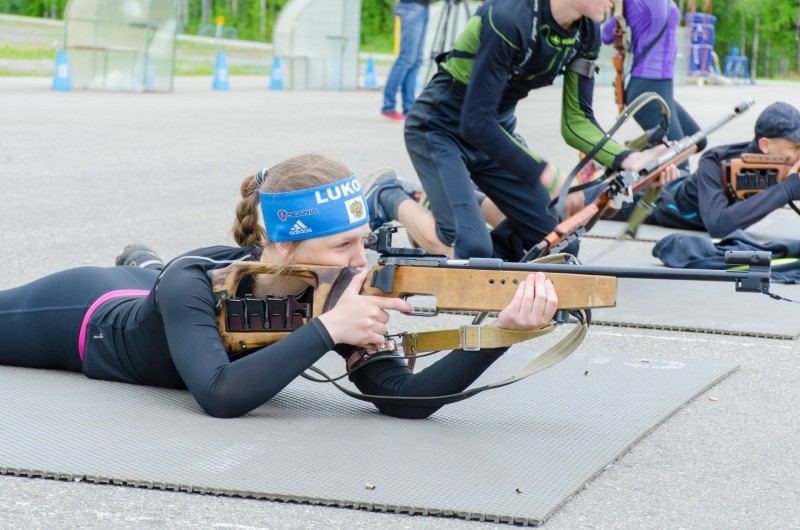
(680, 123)
(40, 325)
(40, 322)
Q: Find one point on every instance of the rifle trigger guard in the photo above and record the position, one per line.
(418, 312)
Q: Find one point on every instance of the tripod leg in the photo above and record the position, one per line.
(438, 41)
(467, 12)
(453, 11)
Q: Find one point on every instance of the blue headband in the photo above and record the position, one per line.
(314, 212)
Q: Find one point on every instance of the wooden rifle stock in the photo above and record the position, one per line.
(752, 173)
(468, 289)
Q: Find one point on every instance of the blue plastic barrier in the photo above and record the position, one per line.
(221, 81)
(701, 27)
(276, 75)
(737, 67)
(370, 79)
(61, 76)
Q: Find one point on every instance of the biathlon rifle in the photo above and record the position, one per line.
(621, 188)
(476, 285)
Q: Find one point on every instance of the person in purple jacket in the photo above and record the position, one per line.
(653, 25)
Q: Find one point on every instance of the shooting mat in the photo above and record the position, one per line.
(509, 455)
(780, 224)
(713, 307)
(605, 229)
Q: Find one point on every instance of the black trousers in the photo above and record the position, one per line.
(681, 124)
(446, 164)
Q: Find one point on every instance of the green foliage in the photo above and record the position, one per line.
(377, 25)
(775, 24)
(253, 20)
(34, 8)
(25, 54)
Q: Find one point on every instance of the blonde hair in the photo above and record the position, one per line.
(298, 173)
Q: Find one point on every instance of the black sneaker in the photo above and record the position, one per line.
(376, 182)
(379, 180)
(138, 255)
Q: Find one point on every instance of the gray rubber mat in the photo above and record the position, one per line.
(713, 307)
(605, 229)
(510, 455)
(780, 224)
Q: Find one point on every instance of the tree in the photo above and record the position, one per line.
(762, 29)
(254, 19)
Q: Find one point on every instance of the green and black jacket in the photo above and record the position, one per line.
(509, 48)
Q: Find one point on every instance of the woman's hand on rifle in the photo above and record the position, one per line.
(358, 319)
(534, 305)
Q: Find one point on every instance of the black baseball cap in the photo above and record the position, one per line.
(779, 120)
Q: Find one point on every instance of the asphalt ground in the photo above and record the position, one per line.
(84, 173)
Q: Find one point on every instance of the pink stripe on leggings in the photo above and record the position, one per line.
(97, 303)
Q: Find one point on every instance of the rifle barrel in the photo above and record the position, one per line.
(689, 141)
(754, 279)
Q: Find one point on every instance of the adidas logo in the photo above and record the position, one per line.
(299, 228)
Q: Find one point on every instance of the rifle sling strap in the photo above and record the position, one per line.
(468, 338)
(641, 210)
(553, 355)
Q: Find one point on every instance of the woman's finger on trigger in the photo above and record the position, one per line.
(397, 304)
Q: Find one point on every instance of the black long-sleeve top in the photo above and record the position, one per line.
(509, 48)
(170, 339)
